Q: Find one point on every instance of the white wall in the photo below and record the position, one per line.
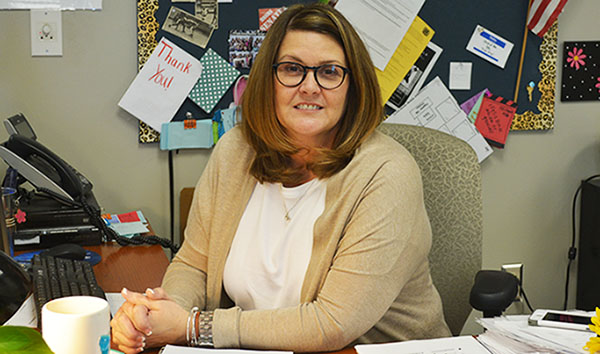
(529, 186)
(71, 102)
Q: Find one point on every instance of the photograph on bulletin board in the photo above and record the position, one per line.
(230, 32)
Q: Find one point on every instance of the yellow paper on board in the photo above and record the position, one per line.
(410, 48)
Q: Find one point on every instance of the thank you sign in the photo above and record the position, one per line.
(162, 85)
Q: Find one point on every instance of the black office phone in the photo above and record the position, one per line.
(43, 168)
(53, 176)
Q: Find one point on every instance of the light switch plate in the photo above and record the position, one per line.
(46, 33)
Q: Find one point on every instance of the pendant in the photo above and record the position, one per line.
(287, 217)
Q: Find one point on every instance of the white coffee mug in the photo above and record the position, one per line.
(76, 325)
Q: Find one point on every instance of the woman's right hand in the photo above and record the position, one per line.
(148, 320)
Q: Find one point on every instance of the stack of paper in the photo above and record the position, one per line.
(127, 224)
(174, 349)
(450, 345)
(512, 334)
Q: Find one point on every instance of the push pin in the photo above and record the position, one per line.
(530, 90)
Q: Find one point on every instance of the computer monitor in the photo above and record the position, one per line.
(16, 292)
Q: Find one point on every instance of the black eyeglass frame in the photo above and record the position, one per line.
(305, 69)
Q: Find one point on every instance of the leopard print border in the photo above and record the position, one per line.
(545, 119)
(147, 28)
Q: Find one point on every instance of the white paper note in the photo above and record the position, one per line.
(162, 85)
(381, 24)
(460, 75)
(489, 46)
(435, 107)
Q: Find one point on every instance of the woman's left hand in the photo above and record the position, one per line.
(166, 321)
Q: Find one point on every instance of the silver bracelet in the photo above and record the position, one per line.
(205, 334)
(189, 335)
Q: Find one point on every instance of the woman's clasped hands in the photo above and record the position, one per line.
(148, 320)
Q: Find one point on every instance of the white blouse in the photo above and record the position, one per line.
(269, 255)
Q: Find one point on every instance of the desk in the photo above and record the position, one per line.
(137, 268)
(134, 267)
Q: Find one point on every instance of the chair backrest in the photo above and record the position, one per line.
(185, 202)
(452, 189)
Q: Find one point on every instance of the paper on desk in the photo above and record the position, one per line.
(115, 300)
(435, 107)
(175, 349)
(380, 24)
(407, 53)
(129, 228)
(517, 329)
(450, 345)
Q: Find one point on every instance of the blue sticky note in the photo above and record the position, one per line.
(175, 136)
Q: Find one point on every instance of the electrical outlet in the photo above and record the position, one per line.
(515, 269)
(46, 33)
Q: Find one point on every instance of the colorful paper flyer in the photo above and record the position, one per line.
(266, 17)
(406, 54)
(162, 85)
(467, 105)
(216, 78)
(475, 110)
(495, 118)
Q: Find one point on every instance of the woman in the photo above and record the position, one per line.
(308, 230)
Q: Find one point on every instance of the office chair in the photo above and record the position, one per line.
(452, 190)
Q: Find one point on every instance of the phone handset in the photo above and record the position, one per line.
(43, 168)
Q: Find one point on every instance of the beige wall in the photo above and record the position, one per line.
(71, 102)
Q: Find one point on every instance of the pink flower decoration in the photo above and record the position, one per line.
(598, 84)
(576, 57)
(20, 216)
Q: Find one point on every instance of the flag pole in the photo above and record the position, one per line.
(522, 54)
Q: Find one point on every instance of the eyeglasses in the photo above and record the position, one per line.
(328, 76)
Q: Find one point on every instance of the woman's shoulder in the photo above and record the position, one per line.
(232, 152)
(233, 142)
(381, 148)
(383, 156)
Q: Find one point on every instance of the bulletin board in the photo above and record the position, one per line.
(454, 22)
(238, 15)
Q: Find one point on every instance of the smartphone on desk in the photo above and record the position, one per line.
(561, 319)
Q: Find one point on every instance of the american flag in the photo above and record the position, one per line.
(542, 15)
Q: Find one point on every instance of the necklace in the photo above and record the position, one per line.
(288, 211)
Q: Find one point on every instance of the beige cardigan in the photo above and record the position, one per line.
(368, 278)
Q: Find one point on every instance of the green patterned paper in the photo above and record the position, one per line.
(217, 77)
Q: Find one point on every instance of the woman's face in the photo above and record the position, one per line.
(309, 113)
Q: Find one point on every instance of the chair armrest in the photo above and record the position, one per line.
(493, 291)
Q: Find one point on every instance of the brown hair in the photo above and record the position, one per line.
(263, 131)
